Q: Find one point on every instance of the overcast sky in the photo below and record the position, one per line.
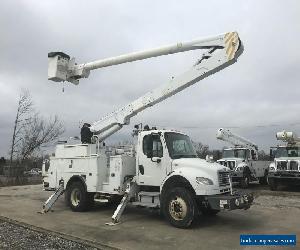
(256, 97)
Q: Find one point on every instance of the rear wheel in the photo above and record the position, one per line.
(179, 207)
(77, 198)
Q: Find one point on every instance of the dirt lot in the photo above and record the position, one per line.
(273, 213)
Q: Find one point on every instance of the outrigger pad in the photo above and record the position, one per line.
(112, 223)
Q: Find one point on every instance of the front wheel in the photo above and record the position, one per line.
(273, 184)
(77, 198)
(179, 207)
(245, 181)
(262, 180)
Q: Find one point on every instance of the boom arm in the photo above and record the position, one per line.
(222, 51)
(235, 140)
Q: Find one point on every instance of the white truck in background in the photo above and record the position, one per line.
(164, 172)
(285, 169)
(242, 159)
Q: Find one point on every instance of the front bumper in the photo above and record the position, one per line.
(230, 202)
(285, 177)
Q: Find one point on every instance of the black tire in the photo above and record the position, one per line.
(207, 211)
(77, 198)
(273, 184)
(244, 182)
(262, 180)
(179, 207)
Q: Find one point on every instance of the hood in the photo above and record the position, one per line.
(198, 164)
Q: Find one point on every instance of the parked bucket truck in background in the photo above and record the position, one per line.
(165, 172)
(242, 158)
(285, 170)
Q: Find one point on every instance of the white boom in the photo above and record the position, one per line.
(235, 140)
(289, 137)
(222, 51)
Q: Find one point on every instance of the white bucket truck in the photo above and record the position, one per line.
(285, 169)
(164, 172)
(242, 159)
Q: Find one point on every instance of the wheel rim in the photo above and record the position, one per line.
(177, 208)
(75, 197)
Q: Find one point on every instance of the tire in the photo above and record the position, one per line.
(179, 207)
(245, 181)
(273, 184)
(77, 198)
(262, 180)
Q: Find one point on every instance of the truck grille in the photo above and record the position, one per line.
(294, 165)
(282, 165)
(287, 165)
(224, 178)
(229, 164)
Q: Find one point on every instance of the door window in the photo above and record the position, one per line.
(152, 146)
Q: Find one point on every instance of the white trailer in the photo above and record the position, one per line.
(164, 172)
(242, 159)
(285, 169)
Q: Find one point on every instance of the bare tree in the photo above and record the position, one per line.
(201, 149)
(31, 130)
(24, 108)
(37, 133)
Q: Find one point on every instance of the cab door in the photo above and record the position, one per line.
(151, 160)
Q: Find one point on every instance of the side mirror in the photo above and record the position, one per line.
(272, 154)
(156, 159)
(209, 158)
(253, 155)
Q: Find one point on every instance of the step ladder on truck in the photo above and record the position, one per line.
(164, 173)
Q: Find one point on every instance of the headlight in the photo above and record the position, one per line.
(272, 169)
(205, 181)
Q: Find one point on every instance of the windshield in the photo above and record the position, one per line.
(287, 152)
(235, 153)
(179, 146)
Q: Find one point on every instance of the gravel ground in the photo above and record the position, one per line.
(17, 237)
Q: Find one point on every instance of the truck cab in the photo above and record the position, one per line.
(164, 154)
(285, 169)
